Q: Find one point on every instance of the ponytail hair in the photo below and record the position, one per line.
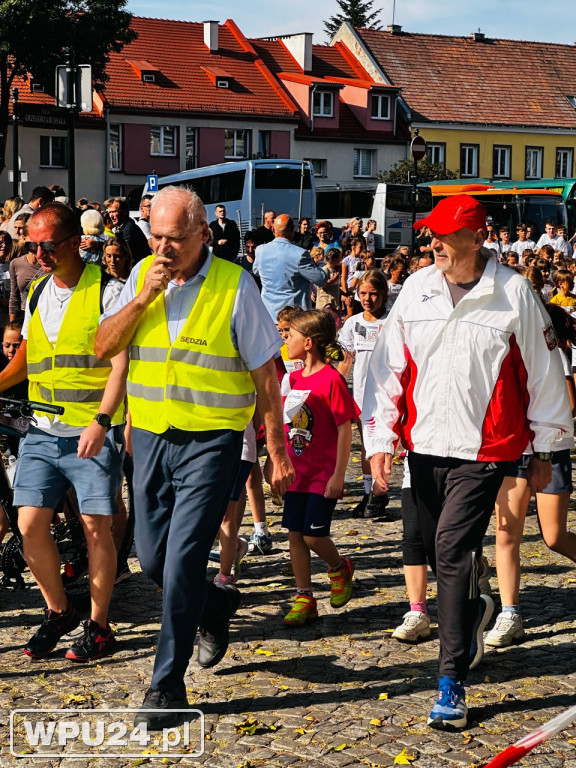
(321, 328)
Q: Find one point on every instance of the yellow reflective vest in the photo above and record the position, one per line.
(199, 382)
(68, 373)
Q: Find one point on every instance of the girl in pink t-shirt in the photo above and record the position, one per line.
(318, 414)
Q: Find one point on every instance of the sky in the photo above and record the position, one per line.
(554, 21)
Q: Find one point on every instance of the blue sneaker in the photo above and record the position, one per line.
(259, 543)
(485, 611)
(450, 710)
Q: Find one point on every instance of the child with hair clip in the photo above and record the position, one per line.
(318, 413)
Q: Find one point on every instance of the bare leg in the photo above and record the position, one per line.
(416, 578)
(101, 564)
(511, 506)
(256, 494)
(325, 548)
(300, 559)
(42, 555)
(4, 525)
(228, 538)
(553, 516)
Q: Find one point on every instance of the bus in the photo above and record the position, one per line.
(248, 188)
(510, 206)
(392, 211)
(564, 187)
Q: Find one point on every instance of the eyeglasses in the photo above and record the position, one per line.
(46, 246)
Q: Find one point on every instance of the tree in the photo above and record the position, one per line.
(358, 12)
(427, 171)
(34, 34)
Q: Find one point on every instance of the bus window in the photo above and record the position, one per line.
(400, 199)
(280, 178)
(217, 189)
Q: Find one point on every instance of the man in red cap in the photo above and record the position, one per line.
(466, 373)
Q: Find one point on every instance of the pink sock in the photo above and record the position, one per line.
(418, 607)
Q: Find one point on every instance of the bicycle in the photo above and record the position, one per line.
(66, 526)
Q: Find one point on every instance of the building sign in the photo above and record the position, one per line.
(43, 116)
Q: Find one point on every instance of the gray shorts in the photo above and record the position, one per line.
(561, 471)
(48, 465)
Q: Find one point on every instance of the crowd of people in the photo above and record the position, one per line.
(190, 346)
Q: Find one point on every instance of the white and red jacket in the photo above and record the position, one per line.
(480, 381)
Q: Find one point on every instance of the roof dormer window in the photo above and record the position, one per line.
(323, 104)
(222, 83)
(148, 77)
(147, 72)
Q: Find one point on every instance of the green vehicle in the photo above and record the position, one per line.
(566, 187)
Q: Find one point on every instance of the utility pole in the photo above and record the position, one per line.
(15, 158)
(72, 108)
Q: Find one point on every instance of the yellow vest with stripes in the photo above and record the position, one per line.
(68, 373)
(199, 382)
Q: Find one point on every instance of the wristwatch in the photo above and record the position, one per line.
(103, 419)
(543, 456)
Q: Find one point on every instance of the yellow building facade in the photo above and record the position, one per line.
(507, 153)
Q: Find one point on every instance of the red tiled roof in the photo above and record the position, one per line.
(495, 82)
(177, 49)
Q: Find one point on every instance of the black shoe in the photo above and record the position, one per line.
(54, 626)
(96, 642)
(360, 508)
(213, 637)
(161, 701)
(376, 506)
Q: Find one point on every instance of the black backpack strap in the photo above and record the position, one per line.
(106, 277)
(38, 288)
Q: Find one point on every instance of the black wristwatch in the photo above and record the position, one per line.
(543, 456)
(103, 419)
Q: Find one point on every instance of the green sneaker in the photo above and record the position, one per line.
(303, 610)
(341, 583)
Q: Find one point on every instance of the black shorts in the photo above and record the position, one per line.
(561, 471)
(308, 513)
(243, 475)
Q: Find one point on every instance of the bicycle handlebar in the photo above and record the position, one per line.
(25, 407)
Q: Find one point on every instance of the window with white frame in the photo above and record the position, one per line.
(53, 151)
(534, 157)
(364, 162)
(235, 144)
(116, 190)
(501, 161)
(320, 166)
(564, 162)
(190, 147)
(115, 147)
(436, 153)
(380, 106)
(469, 160)
(323, 104)
(163, 140)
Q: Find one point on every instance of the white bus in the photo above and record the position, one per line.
(249, 187)
(392, 210)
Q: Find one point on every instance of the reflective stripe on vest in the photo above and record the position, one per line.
(199, 382)
(68, 373)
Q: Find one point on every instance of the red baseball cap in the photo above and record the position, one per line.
(454, 213)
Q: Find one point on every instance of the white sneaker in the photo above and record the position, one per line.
(508, 629)
(416, 625)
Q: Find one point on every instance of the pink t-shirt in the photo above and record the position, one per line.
(313, 410)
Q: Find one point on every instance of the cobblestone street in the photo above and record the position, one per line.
(340, 692)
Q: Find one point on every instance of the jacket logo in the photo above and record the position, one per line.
(190, 340)
(426, 298)
(550, 337)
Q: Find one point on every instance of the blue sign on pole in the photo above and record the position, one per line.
(152, 181)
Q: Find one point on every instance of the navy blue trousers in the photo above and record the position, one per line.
(182, 485)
